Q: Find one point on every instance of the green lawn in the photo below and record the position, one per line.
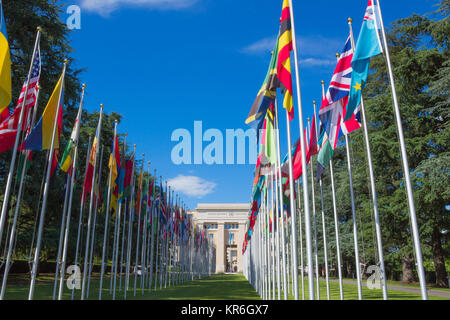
(351, 292)
(216, 287)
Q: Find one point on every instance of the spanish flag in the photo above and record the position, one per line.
(5, 66)
(284, 59)
(41, 136)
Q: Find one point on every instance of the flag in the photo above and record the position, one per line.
(129, 167)
(312, 149)
(92, 159)
(368, 46)
(40, 137)
(5, 67)
(332, 109)
(8, 127)
(67, 158)
(266, 95)
(284, 59)
(114, 163)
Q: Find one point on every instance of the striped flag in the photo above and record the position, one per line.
(92, 159)
(8, 128)
(5, 66)
(332, 110)
(284, 59)
(67, 158)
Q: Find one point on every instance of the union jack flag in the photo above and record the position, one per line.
(333, 108)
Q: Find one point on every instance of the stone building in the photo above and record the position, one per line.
(225, 225)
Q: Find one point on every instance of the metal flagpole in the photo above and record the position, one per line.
(91, 204)
(281, 203)
(16, 143)
(69, 209)
(116, 235)
(46, 187)
(412, 209)
(144, 254)
(336, 226)
(130, 230)
(302, 267)
(16, 211)
(324, 231)
(80, 226)
(273, 235)
(61, 235)
(355, 228)
(152, 230)
(108, 200)
(158, 232)
(276, 222)
(304, 178)
(138, 229)
(316, 255)
(93, 224)
(372, 185)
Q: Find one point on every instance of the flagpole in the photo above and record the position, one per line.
(145, 242)
(324, 231)
(61, 235)
(16, 143)
(281, 203)
(355, 228)
(94, 222)
(336, 226)
(412, 209)
(158, 212)
(69, 209)
(314, 219)
(276, 222)
(304, 176)
(152, 230)
(91, 204)
(130, 230)
(302, 267)
(46, 187)
(139, 226)
(81, 216)
(16, 211)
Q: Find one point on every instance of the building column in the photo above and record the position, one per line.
(220, 253)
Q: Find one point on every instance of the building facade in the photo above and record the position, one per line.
(224, 224)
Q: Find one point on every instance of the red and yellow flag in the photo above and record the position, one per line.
(284, 58)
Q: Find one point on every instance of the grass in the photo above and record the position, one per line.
(216, 287)
(351, 292)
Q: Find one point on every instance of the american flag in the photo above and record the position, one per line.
(8, 128)
(34, 81)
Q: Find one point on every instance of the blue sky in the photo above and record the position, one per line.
(164, 64)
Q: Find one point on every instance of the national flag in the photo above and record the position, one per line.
(312, 149)
(266, 95)
(67, 158)
(332, 109)
(114, 163)
(92, 159)
(284, 59)
(129, 169)
(8, 127)
(5, 66)
(368, 46)
(41, 136)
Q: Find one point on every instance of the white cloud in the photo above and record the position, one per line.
(265, 45)
(105, 7)
(192, 186)
(314, 62)
(314, 51)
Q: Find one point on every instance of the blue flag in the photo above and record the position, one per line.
(368, 46)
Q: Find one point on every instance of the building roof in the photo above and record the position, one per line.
(223, 206)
